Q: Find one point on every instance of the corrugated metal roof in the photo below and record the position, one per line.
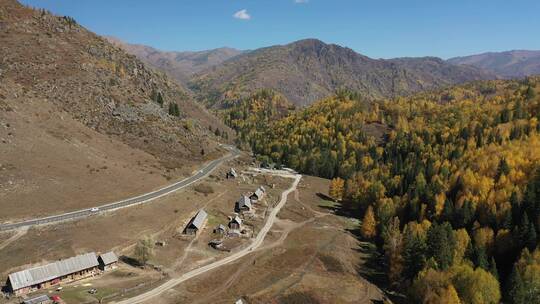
(244, 201)
(36, 275)
(37, 300)
(198, 220)
(109, 258)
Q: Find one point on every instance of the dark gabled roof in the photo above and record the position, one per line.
(221, 227)
(198, 219)
(244, 201)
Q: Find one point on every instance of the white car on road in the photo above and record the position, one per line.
(95, 209)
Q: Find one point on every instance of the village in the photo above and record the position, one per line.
(207, 228)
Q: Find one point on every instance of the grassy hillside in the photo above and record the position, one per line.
(449, 186)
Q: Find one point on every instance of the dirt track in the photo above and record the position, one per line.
(142, 298)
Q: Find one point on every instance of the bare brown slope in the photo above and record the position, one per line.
(100, 85)
(77, 124)
(309, 70)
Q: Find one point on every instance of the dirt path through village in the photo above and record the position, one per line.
(20, 232)
(147, 296)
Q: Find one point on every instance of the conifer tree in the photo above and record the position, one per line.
(516, 293)
(531, 94)
(502, 169)
(414, 255)
(440, 240)
(480, 257)
(493, 268)
(159, 99)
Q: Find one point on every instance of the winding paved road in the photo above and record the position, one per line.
(144, 198)
(142, 298)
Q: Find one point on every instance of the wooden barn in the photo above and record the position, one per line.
(220, 229)
(235, 223)
(243, 204)
(68, 270)
(257, 195)
(231, 174)
(108, 261)
(196, 222)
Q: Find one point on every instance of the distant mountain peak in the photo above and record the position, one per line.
(508, 64)
(180, 65)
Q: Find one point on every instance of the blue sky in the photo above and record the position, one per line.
(376, 28)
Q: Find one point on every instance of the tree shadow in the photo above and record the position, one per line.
(373, 264)
(324, 196)
(130, 261)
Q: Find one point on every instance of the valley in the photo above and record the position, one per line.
(285, 170)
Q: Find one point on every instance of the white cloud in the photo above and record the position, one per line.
(301, 1)
(242, 15)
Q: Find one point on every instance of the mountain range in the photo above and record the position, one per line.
(179, 65)
(510, 64)
(303, 71)
(308, 70)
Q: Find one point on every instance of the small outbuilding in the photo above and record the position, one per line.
(108, 261)
(257, 195)
(231, 174)
(243, 204)
(42, 299)
(235, 223)
(220, 229)
(196, 222)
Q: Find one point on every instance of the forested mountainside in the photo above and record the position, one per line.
(250, 116)
(309, 70)
(179, 65)
(510, 64)
(446, 183)
(55, 60)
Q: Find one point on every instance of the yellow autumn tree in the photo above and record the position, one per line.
(462, 242)
(476, 286)
(434, 287)
(336, 188)
(369, 224)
